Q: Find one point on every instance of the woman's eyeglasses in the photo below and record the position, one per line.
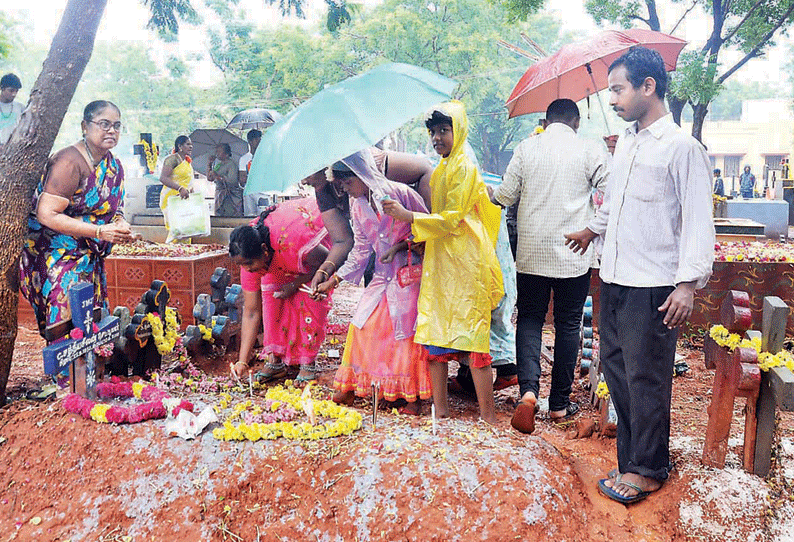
(107, 125)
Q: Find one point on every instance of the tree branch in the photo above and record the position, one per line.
(744, 20)
(638, 18)
(684, 16)
(758, 47)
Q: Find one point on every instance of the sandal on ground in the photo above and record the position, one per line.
(41, 394)
(344, 398)
(411, 408)
(523, 419)
(570, 411)
(305, 378)
(610, 492)
(503, 382)
(271, 371)
(454, 387)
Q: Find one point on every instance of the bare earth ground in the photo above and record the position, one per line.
(66, 478)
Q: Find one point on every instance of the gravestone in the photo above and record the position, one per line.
(221, 311)
(736, 375)
(136, 352)
(76, 351)
(777, 384)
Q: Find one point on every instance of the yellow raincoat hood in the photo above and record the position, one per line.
(461, 279)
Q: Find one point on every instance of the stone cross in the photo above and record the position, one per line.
(155, 299)
(737, 375)
(81, 343)
(221, 311)
(219, 281)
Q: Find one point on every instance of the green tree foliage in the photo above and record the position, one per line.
(457, 38)
(520, 10)
(749, 26)
(7, 34)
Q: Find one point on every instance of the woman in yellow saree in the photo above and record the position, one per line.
(177, 176)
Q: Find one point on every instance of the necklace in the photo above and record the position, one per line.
(10, 111)
(90, 156)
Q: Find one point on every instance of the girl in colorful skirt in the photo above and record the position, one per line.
(380, 347)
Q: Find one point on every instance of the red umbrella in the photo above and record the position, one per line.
(580, 69)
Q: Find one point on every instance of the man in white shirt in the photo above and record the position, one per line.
(656, 223)
(250, 201)
(552, 175)
(10, 111)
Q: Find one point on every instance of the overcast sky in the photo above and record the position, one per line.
(126, 20)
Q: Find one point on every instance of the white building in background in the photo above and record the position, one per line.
(761, 139)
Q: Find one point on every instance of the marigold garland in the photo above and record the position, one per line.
(166, 338)
(206, 332)
(602, 391)
(766, 360)
(152, 153)
(346, 420)
(152, 409)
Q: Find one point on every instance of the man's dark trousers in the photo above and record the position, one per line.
(637, 355)
(534, 292)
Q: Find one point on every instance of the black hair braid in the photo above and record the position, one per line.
(262, 230)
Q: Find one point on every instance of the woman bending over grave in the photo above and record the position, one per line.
(380, 347)
(177, 178)
(77, 217)
(279, 252)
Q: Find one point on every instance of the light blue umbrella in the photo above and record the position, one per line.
(342, 119)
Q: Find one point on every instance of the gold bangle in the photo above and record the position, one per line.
(324, 272)
(337, 281)
(98, 231)
(332, 263)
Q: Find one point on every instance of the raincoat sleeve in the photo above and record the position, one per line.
(356, 263)
(459, 200)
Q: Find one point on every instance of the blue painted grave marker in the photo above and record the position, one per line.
(65, 353)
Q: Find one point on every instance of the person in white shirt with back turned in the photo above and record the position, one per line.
(554, 174)
(656, 222)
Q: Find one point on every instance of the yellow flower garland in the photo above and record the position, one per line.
(206, 332)
(766, 360)
(164, 337)
(98, 412)
(346, 421)
(152, 154)
(602, 391)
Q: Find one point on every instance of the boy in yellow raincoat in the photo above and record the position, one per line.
(461, 278)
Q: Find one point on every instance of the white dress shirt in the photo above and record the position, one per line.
(656, 219)
(553, 174)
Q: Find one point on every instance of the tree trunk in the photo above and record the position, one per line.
(23, 158)
(676, 107)
(699, 115)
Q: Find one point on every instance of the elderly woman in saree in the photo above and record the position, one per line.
(77, 217)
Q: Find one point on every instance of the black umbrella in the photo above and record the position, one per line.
(254, 118)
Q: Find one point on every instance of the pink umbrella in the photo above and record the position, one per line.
(578, 70)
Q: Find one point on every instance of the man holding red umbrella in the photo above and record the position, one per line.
(658, 248)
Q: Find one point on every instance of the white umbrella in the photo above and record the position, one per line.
(206, 139)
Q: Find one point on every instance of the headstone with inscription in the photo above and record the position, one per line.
(76, 350)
